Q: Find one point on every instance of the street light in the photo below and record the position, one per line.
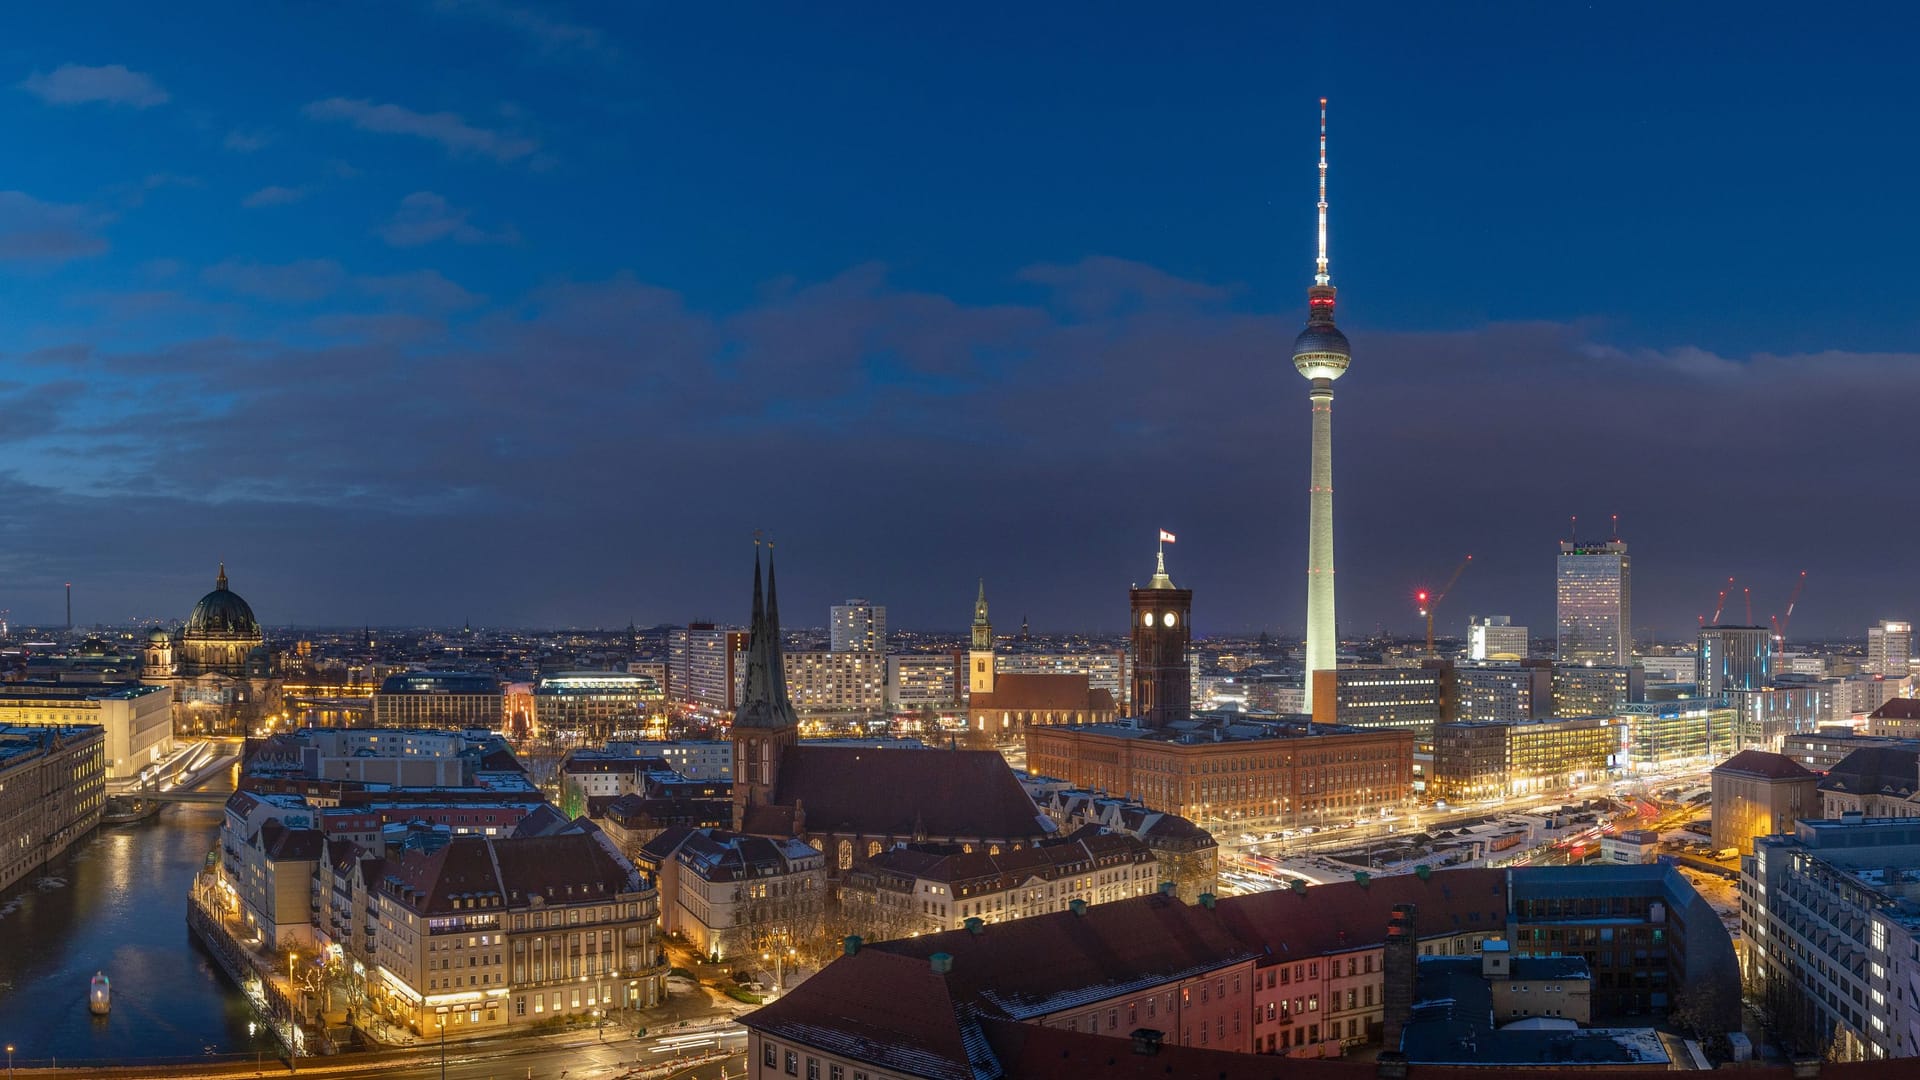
(9, 1061)
(441, 1011)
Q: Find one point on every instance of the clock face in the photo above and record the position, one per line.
(1147, 619)
(1171, 618)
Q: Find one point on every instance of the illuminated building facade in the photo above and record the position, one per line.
(1215, 771)
(439, 699)
(1732, 658)
(599, 705)
(1477, 761)
(1503, 692)
(1663, 734)
(858, 626)
(925, 680)
(222, 675)
(1593, 604)
(1495, 638)
(1756, 793)
(137, 720)
(52, 790)
(700, 665)
(1596, 690)
(1890, 649)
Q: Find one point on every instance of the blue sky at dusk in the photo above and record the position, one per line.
(531, 312)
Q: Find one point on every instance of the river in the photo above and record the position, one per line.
(116, 902)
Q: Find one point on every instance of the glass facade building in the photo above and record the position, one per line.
(1593, 594)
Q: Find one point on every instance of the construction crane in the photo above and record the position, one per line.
(1720, 605)
(1780, 623)
(1429, 601)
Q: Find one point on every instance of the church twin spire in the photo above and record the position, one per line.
(764, 701)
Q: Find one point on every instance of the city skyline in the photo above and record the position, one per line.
(351, 331)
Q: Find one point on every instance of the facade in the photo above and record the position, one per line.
(1664, 734)
(598, 705)
(695, 759)
(439, 699)
(1495, 638)
(137, 720)
(1162, 679)
(1384, 698)
(1217, 772)
(1321, 354)
(1821, 750)
(52, 790)
(929, 888)
(1596, 690)
(926, 680)
(1018, 703)
(1897, 718)
(835, 682)
(1502, 691)
(1756, 793)
(1890, 648)
(858, 626)
(1764, 717)
(700, 665)
(1593, 591)
(1110, 670)
(733, 896)
(218, 666)
(487, 934)
(1669, 669)
(1875, 781)
(1829, 915)
(1478, 761)
(1732, 658)
(1301, 973)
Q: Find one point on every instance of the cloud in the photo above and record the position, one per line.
(424, 217)
(246, 141)
(112, 84)
(404, 415)
(450, 130)
(32, 231)
(553, 37)
(274, 195)
(425, 289)
(1101, 285)
(300, 282)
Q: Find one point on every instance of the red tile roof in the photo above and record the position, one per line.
(1900, 708)
(1043, 693)
(1034, 966)
(918, 792)
(893, 1012)
(1348, 915)
(1764, 765)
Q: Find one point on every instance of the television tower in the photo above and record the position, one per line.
(1320, 354)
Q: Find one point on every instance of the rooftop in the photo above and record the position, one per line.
(1453, 1024)
(1763, 765)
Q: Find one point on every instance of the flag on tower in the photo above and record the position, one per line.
(1166, 537)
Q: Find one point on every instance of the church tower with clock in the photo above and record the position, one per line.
(1162, 679)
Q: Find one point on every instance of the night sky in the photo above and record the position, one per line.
(531, 314)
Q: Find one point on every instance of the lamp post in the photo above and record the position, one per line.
(9, 1061)
(440, 1012)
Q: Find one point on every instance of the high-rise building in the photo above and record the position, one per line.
(1732, 658)
(1502, 691)
(1495, 638)
(1593, 609)
(701, 662)
(859, 626)
(1162, 678)
(1890, 648)
(1320, 355)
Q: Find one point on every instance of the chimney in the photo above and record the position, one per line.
(1146, 1041)
(1390, 1065)
(1399, 959)
(1206, 900)
(942, 962)
(1077, 906)
(1423, 871)
(975, 926)
(1167, 888)
(852, 945)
